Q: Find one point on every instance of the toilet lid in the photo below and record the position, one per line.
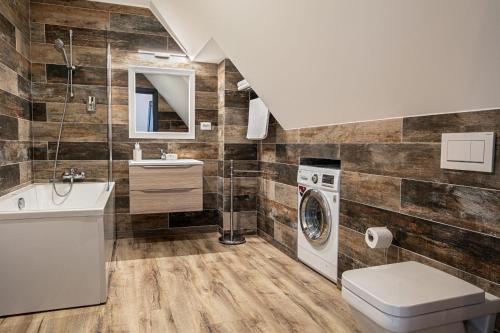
(409, 289)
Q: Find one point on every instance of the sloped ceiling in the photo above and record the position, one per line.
(323, 62)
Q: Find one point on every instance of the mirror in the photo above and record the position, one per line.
(161, 103)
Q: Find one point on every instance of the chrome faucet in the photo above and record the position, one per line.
(73, 175)
(163, 154)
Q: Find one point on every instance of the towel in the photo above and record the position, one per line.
(258, 119)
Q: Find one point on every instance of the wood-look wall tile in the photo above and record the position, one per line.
(206, 100)
(466, 250)
(465, 207)
(363, 132)
(286, 195)
(174, 47)
(82, 55)
(9, 175)
(14, 152)
(23, 42)
(231, 80)
(17, 12)
(81, 36)
(202, 115)
(278, 212)
(83, 75)
(135, 42)
(282, 173)
(285, 136)
(243, 221)
(136, 24)
(39, 112)
(76, 113)
(55, 92)
(79, 150)
(265, 224)
(7, 31)
(421, 161)
(429, 128)
(12, 105)
(250, 165)
(236, 99)
(291, 153)
(24, 87)
(236, 134)
(23, 130)
(206, 83)
(241, 203)
(73, 132)
(194, 150)
(25, 172)
(38, 73)
(235, 116)
(373, 190)
(237, 151)
(8, 128)
(9, 80)
(267, 152)
(100, 6)
(69, 16)
(189, 219)
(243, 186)
(285, 236)
(37, 33)
(15, 61)
(40, 151)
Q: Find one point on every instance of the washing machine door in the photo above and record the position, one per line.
(315, 217)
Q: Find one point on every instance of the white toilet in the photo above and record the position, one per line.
(412, 297)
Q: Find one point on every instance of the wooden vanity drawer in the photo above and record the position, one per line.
(167, 200)
(149, 177)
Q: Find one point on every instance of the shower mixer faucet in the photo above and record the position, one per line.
(73, 175)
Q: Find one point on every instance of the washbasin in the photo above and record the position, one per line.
(179, 161)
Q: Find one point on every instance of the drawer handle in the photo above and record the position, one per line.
(160, 190)
(166, 166)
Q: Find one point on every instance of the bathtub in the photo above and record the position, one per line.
(55, 253)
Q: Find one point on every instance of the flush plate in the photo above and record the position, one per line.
(474, 151)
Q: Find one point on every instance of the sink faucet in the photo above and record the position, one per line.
(73, 175)
(163, 154)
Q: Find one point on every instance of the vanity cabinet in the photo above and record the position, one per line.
(165, 188)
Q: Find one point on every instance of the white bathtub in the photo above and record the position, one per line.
(55, 253)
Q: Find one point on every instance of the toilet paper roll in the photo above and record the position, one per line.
(378, 237)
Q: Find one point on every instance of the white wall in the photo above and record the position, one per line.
(320, 62)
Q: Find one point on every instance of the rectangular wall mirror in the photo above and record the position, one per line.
(161, 103)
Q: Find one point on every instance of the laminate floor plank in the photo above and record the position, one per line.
(192, 283)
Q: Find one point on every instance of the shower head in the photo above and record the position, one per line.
(59, 45)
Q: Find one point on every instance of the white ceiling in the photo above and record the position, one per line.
(323, 62)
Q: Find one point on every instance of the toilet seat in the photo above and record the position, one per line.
(409, 296)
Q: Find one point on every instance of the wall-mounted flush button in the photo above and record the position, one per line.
(91, 104)
(468, 151)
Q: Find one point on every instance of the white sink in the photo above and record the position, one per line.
(180, 161)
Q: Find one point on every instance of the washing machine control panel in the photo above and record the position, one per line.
(320, 177)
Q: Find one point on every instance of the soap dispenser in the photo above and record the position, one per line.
(137, 155)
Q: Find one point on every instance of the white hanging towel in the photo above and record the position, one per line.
(258, 119)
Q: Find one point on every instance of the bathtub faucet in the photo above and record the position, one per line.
(73, 175)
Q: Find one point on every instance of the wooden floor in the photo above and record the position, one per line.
(194, 284)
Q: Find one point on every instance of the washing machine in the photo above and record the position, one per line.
(318, 217)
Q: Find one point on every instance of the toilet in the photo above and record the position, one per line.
(412, 297)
